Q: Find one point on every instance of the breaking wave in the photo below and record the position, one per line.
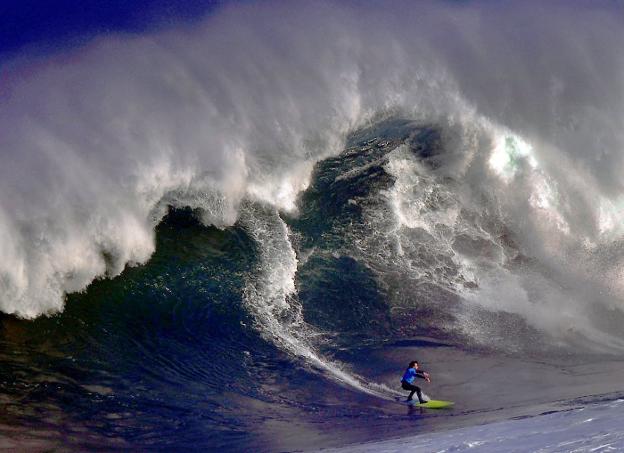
(515, 206)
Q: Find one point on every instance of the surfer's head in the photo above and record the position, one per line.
(413, 364)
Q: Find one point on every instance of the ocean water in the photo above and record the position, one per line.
(588, 428)
(284, 332)
(234, 236)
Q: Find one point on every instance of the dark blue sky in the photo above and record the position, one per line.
(48, 25)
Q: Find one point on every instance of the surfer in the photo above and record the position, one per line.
(407, 382)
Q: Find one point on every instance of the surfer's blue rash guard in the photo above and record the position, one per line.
(411, 374)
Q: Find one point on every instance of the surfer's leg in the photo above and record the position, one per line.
(419, 393)
(413, 389)
(406, 386)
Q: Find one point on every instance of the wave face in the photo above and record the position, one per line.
(512, 203)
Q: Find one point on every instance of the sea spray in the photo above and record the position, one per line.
(98, 141)
(270, 295)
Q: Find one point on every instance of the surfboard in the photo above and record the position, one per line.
(432, 404)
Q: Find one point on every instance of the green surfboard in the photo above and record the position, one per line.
(432, 404)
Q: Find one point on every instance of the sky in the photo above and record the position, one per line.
(47, 25)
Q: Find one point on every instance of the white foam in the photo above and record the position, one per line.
(97, 141)
(468, 216)
(270, 295)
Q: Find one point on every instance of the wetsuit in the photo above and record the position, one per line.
(407, 383)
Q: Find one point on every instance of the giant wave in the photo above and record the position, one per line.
(361, 175)
(98, 141)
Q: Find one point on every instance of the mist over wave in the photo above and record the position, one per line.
(98, 142)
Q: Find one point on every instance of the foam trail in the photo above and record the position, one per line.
(270, 295)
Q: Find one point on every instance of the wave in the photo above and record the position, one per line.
(97, 142)
(439, 232)
(271, 296)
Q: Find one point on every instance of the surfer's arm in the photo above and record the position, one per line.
(424, 375)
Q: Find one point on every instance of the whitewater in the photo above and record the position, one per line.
(207, 116)
(590, 428)
(301, 196)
